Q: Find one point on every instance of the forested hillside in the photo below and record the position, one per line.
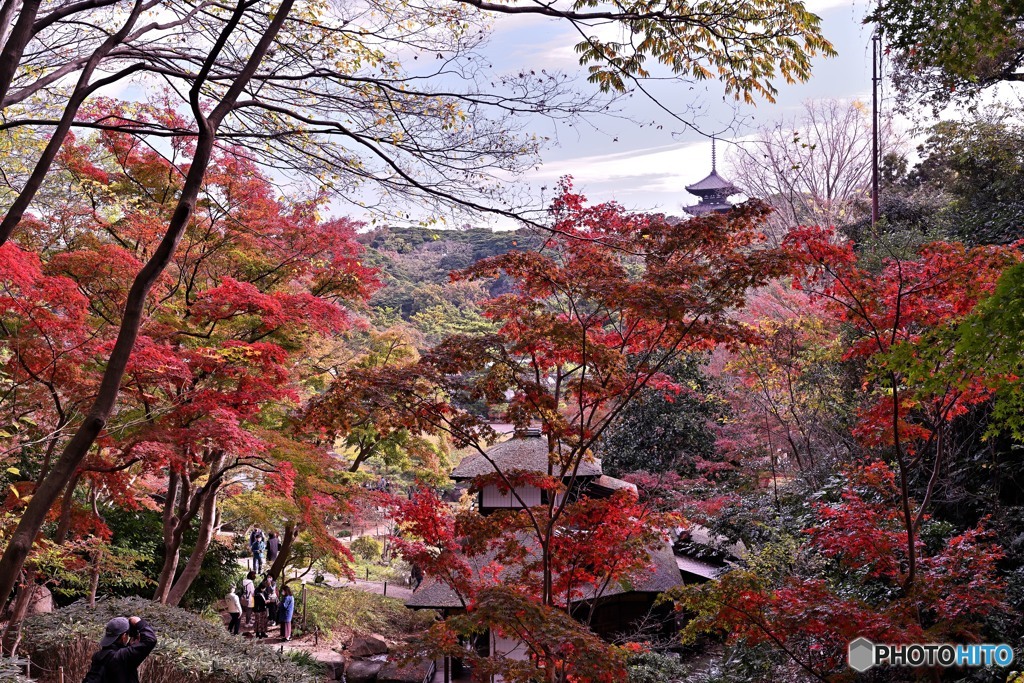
(416, 264)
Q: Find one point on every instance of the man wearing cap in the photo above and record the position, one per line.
(126, 643)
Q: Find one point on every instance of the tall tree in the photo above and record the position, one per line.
(595, 318)
(815, 168)
(905, 309)
(789, 391)
(950, 52)
(238, 73)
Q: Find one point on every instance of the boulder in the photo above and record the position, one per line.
(367, 646)
(335, 664)
(417, 672)
(42, 601)
(362, 670)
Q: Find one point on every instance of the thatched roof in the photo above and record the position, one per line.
(527, 453)
(612, 484)
(661, 576)
(705, 570)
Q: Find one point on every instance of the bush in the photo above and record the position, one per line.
(652, 667)
(189, 649)
(342, 609)
(12, 670)
(142, 532)
(367, 547)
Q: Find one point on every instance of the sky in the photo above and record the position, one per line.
(646, 168)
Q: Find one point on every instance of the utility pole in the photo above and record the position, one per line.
(876, 78)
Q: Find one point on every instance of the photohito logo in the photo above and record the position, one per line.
(863, 654)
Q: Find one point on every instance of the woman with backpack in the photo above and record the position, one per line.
(248, 592)
(285, 611)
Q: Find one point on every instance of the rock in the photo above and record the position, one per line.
(42, 601)
(418, 672)
(367, 646)
(335, 663)
(362, 671)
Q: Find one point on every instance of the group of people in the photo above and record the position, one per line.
(261, 606)
(263, 546)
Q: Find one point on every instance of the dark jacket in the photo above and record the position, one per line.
(116, 664)
(273, 548)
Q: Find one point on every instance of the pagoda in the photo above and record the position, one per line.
(714, 191)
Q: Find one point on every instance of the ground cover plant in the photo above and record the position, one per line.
(190, 650)
(341, 612)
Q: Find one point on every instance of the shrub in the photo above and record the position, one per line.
(12, 670)
(367, 547)
(189, 650)
(141, 532)
(343, 609)
(652, 667)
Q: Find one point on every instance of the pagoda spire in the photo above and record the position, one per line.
(714, 191)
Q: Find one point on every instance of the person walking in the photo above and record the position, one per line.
(285, 612)
(126, 642)
(234, 611)
(259, 609)
(248, 593)
(417, 577)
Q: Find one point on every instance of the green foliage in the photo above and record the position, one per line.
(116, 565)
(994, 335)
(653, 667)
(367, 547)
(307, 661)
(979, 164)
(12, 670)
(947, 50)
(140, 532)
(189, 650)
(217, 575)
(788, 36)
(342, 609)
(416, 263)
(660, 432)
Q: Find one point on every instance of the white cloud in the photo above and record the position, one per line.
(650, 179)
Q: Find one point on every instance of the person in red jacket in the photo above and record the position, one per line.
(124, 646)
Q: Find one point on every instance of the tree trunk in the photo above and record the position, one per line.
(46, 494)
(206, 528)
(78, 96)
(7, 12)
(17, 39)
(362, 456)
(173, 528)
(97, 558)
(195, 560)
(94, 577)
(291, 532)
(18, 611)
(66, 508)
